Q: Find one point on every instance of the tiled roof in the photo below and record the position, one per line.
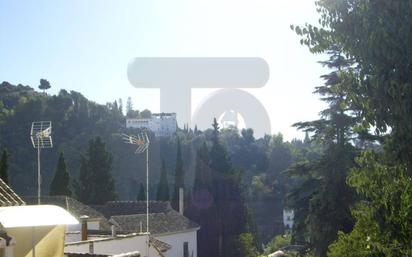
(159, 245)
(8, 197)
(132, 207)
(76, 208)
(73, 206)
(159, 223)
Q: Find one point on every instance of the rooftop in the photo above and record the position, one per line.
(159, 223)
(115, 208)
(8, 197)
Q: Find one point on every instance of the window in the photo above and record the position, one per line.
(185, 249)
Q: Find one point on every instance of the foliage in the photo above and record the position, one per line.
(142, 193)
(245, 245)
(321, 198)
(277, 243)
(60, 184)
(384, 221)
(4, 166)
(179, 176)
(96, 184)
(44, 84)
(163, 186)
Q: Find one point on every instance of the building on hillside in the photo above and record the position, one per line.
(28, 230)
(165, 224)
(161, 124)
(288, 217)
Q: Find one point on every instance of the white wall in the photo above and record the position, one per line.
(177, 240)
(113, 246)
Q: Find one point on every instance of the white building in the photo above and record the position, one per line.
(288, 216)
(165, 225)
(161, 124)
(121, 245)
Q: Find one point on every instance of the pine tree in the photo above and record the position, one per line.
(44, 85)
(142, 193)
(96, 184)
(4, 166)
(179, 176)
(60, 184)
(322, 200)
(163, 187)
(129, 107)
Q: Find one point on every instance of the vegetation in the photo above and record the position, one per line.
(4, 166)
(60, 184)
(163, 186)
(96, 184)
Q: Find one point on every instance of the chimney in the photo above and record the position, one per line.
(113, 231)
(83, 220)
(181, 200)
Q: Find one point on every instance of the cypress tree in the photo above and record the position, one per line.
(228, 198)
(4, 166)
(163, 187)
(60, 184)
(96, 184)
(179, 176)
(142, 193)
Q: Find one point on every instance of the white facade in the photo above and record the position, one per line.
(161, 124)
(178, 240)
(288, 216)
(113, 246)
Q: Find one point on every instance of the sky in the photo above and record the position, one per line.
(86, 46)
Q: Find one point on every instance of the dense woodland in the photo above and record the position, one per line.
(349, 181)
(91, 162)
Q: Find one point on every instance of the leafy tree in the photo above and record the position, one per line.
(60, 184)
(179, 176)
(142, 193)
(96, 184)
(4, 166)
(383, 226)
(44, 85)
(163, 186)
(245, 245)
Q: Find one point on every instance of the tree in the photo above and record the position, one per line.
(4, 166)
(142, 193)
(163, 186)
(322, 200)
(60, 184)
(179, 176)
(96, 184)
(228, 198)
(44, 85)
(245, 245)
(383, 226)
(381, 53)
(129, 107)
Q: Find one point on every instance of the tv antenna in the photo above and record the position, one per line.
(142, 142)
(40, 135)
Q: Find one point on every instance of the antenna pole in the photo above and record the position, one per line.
(147, 199)
(38, 177)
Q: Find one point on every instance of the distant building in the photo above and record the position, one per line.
(288, 216)
(161, 124)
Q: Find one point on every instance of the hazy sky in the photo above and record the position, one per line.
(86, 45)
